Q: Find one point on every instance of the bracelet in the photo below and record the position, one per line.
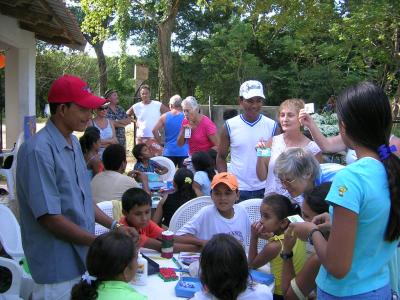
(310, 234)
(114, 225)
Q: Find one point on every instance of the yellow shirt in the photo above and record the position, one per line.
(299, 257)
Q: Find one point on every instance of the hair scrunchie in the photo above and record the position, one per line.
(87, 278)
(384, 151)
(188, 180)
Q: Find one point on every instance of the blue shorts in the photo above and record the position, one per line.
(383, 293)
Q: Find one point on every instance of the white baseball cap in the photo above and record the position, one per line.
(250, 89)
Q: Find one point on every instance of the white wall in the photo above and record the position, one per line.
(20, 85)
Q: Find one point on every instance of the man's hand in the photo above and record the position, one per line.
(132, 232)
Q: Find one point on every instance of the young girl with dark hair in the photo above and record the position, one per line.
(111, 264)
(314, 201)
(184, 192)
(365, 203)
(298, 286)
(274, 212)
(205, 171)
(225, 273)
(90, 144)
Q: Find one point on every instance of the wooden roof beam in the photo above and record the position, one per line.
(24, 14)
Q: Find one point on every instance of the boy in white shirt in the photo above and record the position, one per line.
(222, 217)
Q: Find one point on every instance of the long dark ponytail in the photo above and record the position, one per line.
(365, 111)
(183, 180)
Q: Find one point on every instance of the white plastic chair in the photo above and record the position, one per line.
(187, 211)
(13, 293)
(10, 173)
(10, 239)
(252, 207)
(10, 234)
(107, 208)
(166, 162)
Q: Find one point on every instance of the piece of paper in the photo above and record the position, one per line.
(295, 219)
(309, 108)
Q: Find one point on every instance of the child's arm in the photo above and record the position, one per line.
(305, 279)
(158, 214)
(190, 239)
(179, 247)
(269, 252)
(159, 169)
(197, 189)
(156, 244)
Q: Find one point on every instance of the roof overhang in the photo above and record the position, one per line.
(50, 20)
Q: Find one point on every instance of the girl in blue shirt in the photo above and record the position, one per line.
(364, 203)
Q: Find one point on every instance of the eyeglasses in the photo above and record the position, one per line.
(287, 182)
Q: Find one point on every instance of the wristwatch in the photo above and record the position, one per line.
(309, 236)
(286, 256)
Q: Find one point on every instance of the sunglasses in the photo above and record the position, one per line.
(102, 108)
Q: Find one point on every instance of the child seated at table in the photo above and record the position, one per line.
(204, 173)
(143, 161)
(222, 217)
(225, 273)
(136, 208)
(111, 264)
(274, 212)
(183, 180)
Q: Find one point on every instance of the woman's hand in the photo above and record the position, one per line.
(323, 221)
(302, 229)
(304, 118)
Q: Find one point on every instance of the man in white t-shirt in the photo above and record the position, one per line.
(222, 217)
(112, 183)
(241, 134)
(146, 113)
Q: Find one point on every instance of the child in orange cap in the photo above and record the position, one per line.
(222, 217)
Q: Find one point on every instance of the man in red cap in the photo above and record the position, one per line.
(56, 207)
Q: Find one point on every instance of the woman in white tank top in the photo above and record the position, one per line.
(291, 137)
(106, 127)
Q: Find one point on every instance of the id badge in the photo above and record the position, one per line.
(188, 133)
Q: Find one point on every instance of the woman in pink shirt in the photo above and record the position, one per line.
(197, 129)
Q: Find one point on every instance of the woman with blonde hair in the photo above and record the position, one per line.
(292, 136)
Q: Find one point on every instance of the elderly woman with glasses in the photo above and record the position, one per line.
(106, 127)
(299, 171)
(197, 129)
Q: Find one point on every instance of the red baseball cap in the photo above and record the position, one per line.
(68, 88)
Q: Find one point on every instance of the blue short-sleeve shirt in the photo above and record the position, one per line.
(362, 187)
(52, 179)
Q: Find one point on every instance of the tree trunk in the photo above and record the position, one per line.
(102, 64)
(165, 55)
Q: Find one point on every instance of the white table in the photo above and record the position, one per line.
(156, 288)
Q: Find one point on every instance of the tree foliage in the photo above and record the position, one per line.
(309, 49)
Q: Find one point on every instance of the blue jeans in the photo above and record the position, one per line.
(244, 195)
(383, 293)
